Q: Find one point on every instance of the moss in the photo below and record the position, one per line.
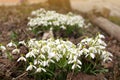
(115, 19)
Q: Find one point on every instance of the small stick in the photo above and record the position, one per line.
(72, 75)
(25, 73)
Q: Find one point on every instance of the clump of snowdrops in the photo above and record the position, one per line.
(43, 20)
(53, 57)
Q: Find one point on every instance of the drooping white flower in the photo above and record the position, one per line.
(73, 66)
(63, 27)
(45, 63)
(102, 42)
(85, 51)
(30, 67)
(106, 56)
(86, 40)
(79, 62)
(51, 54)
(21, 59)
(3, 48)
(78, 66)
(101, 36)
(30, 54)
(92, 55)
(22, 42)
(35, 62)
(11, 44)
(40, 69)
(16, 51)
(42, 56)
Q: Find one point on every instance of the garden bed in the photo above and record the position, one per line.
(13, 26)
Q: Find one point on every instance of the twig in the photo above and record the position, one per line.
(26, 33)
(25, 73)
(72, 75)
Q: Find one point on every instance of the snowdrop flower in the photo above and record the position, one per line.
(80, 52)
(16, 51)
(75, 61)
(63, 27)
(87, 40)
(21, 59)
(51, 60)
(42, 56)
(45, 49)
(11, 44)
(106, 56)
(58, 57)
(101, 36)
(35, 62)
(73, 66)
(102, 42)
(31, 43)
(92, 55)
(79, 62)
(93, 49)
(88, 25)
(40, 69)
(45, 63)
(79, 45)
(30, 54)
(51, 54)
(100, 47)
(22, 42)
(30, 67)
(86, 51)
(3, 48)
(33, 13)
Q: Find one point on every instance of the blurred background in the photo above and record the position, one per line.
(81, 5)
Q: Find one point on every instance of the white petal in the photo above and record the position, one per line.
(22, 42)
(38, 70)
(16, 51)
(43, 70)
(21, 59)
(101, 36)
(51, 55)
(78, 66)
(30, 54)
(73, 66)
(3, 48)
(92, 55)
(79, 62)
(11, 44)
(30, 67)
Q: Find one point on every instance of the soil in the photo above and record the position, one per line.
(13, 26)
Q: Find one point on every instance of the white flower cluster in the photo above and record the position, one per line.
(43, 18)
(95, 48)
(14, 51)
(44, 52)
(49, 51)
